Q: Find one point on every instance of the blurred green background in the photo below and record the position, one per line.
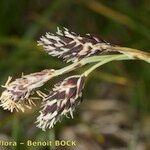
(122, 22)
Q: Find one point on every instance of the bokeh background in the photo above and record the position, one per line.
(115, 112)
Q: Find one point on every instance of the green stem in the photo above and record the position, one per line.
(89, 60)
(102, 59)
(86, 73)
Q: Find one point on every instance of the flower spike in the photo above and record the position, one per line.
(62, 100)
(73, 47)
(18, 93)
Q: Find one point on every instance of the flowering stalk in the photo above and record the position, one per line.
(18, 94)
(65, 96)
(72, 47)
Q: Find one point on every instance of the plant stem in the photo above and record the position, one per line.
(88, 60)
(127, 54)
(135, 53)
(86, 73)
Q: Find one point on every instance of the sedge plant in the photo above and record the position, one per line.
(65, 96)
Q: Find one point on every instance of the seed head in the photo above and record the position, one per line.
(62, 100)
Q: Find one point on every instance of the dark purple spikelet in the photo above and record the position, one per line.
(17, 94)
(62, 100)
(73, 47)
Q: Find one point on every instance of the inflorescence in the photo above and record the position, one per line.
(66, 95)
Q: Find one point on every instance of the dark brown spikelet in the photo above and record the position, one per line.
(62, 100)
(73, 47)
